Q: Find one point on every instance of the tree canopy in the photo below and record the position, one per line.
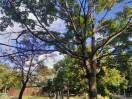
(87, 22)
(8, 78)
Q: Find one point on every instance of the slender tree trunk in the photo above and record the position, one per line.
(92, 81)
(68, 94)
(61, 94)
(5, 89)
(22, 91)
(56, 94)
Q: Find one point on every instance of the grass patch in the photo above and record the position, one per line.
(24, 97)
(38, 97)
(41, 97)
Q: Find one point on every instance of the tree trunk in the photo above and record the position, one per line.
(22, 91)
(5, 91)
(68, 94)
(92, 81)
(56, 95)
(61, 94)
(92, 87)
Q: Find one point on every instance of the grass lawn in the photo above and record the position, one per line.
(37, 97)
(76, 97)
(24, 97)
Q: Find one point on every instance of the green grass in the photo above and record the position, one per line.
(37, 97)
(31, 97)
(24, 97)
(77, 97)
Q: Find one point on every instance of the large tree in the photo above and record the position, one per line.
(87, 22)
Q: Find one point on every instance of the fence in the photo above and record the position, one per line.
(28, 91)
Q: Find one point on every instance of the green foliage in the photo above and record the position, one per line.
(129, 71)
(103, 4)
(82, 23)
(112, 76)
(69, 74)
(110, 81)
(42, 75)
(8, 77)
(129, 9)
(79, 21)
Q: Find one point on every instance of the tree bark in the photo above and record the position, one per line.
(61, 94)
(56, 95)
(92, 87)
(92, 81)
(68, 94)
(22, 91)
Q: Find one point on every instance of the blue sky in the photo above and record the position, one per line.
(116, 8)
(59, 25)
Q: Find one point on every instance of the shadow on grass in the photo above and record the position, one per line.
(14, 98)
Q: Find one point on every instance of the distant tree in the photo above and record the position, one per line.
(110, 78)
(8, 78)
(122, 57)
(110, 81)
(43, 73)
(124, 61)
(25, 61)
(69, 75)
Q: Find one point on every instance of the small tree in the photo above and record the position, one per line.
(8, 78)
(43, 73)
(70, 77)
(26, 60)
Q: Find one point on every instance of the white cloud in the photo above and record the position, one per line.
(7, 35)
(51, 59)
(58, 25)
